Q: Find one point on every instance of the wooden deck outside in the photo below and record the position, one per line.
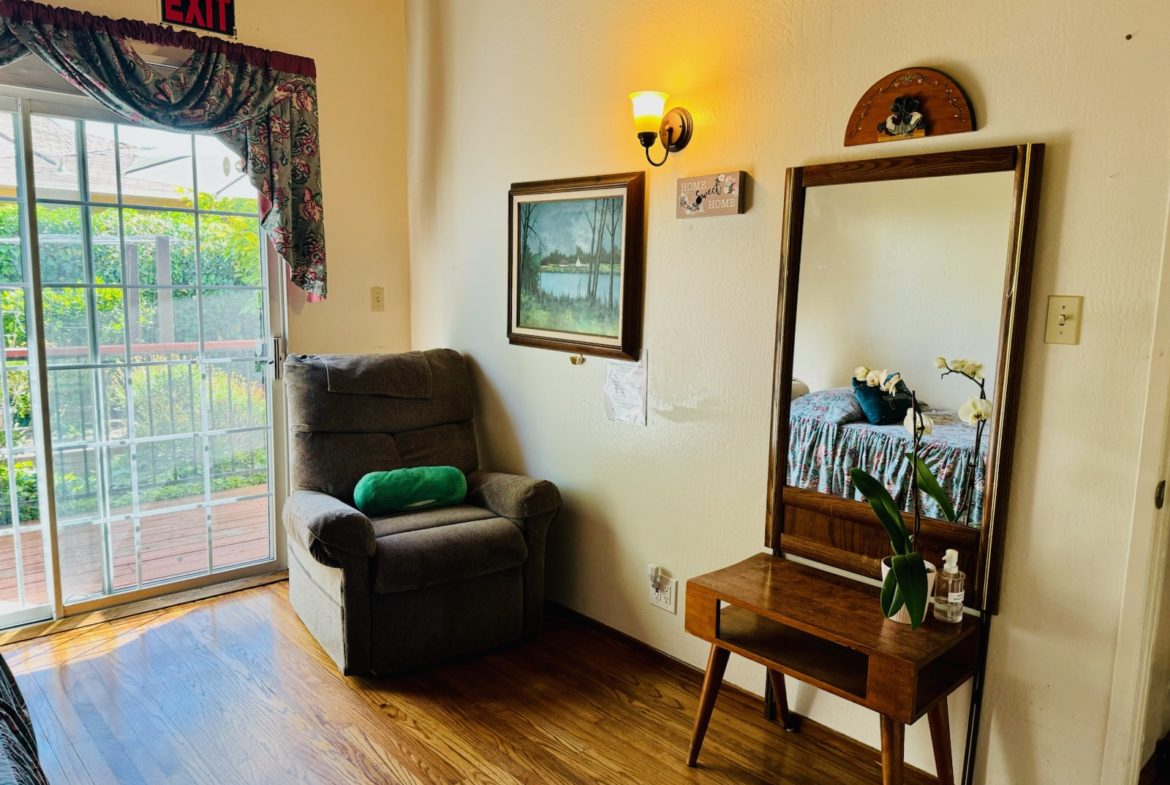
(173, 545)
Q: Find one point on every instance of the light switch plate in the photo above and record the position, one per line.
(377, 298)
(1064, 319)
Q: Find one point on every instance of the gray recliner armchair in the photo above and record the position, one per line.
(416, 588)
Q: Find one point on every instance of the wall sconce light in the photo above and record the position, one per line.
(674, 130)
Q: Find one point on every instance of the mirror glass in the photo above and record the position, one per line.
(894, 275)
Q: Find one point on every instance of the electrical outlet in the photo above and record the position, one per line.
(377, 299)
(665, 597)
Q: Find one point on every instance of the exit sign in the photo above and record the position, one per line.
(218, 16)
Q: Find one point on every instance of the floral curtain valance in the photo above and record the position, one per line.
(261, 104)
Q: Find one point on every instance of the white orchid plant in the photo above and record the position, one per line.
(905, 585)
(976, 411)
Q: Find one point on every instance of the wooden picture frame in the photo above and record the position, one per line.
(575, 264)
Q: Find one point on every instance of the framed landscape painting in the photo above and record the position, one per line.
(575, 259)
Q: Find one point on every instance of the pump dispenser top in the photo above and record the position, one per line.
(951, 560)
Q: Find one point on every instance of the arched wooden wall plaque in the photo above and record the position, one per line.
(910, 104)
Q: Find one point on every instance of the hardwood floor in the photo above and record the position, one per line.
(234, 690)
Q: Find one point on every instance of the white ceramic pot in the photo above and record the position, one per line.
(903, 616)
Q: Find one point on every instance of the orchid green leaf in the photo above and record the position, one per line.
(911, 572)
(929, 483)
(892, 601)
(883, 506)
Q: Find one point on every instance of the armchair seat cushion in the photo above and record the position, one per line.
(440, 554)
(428, 519)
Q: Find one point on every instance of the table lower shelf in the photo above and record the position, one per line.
(826, 664)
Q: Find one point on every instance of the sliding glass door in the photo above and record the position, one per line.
(155, 338)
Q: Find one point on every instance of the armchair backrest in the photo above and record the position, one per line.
(354, 414)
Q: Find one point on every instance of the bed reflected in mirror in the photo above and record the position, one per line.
(900, 277)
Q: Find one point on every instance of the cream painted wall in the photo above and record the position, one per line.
(359, 50)
(506, 90)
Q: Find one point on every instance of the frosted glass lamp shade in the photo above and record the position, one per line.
(648, 109)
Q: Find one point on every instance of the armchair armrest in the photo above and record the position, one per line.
(319, 520)
(512, 495)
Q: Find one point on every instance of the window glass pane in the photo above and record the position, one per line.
(156, 167)
(71, 401)
(223, 186)
(27, 495)
(240, 533)
(174, 544)
(8, 155)
(111, 324)
(75, 474)
(20, 410)
(170, 473)
(116, 425)
(230, 251)
(11, 251)
(15, 325)
(107, 245)
(160, 247)
(238, 397)
(80, 545)
(55, 157)
(62, 257)
(167, 400)
(32, 559)
(233, 321)
(121, 489)
(123, 549)
(164, 324)
(101, 163)
(239, 463)
(66, 325)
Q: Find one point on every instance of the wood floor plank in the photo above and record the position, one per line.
(235, 691)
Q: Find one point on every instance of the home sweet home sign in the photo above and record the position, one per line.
(216, 16)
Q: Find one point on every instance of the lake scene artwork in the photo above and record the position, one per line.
(569, 265)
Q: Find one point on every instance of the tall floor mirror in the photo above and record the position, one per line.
(918, 265)
(897, 264)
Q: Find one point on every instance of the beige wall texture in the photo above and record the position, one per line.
(359, 50)
(501, 91)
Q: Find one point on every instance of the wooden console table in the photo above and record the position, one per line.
(829, 632)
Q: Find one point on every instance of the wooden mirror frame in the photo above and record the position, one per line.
(844, 533)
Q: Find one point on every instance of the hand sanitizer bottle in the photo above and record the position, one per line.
(949, 590)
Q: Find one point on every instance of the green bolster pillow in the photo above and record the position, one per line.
(381, 493)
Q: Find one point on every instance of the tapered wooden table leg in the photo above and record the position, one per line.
(716, 665)
(780, 697)
(940, 739)
(893, 745)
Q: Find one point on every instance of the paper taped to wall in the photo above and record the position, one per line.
(625, 390)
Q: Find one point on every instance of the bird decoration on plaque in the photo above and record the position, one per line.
(904, 120)
(910, 104)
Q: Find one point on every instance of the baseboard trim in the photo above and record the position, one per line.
(40, 629)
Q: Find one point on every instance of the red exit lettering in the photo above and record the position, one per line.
(216, 15)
